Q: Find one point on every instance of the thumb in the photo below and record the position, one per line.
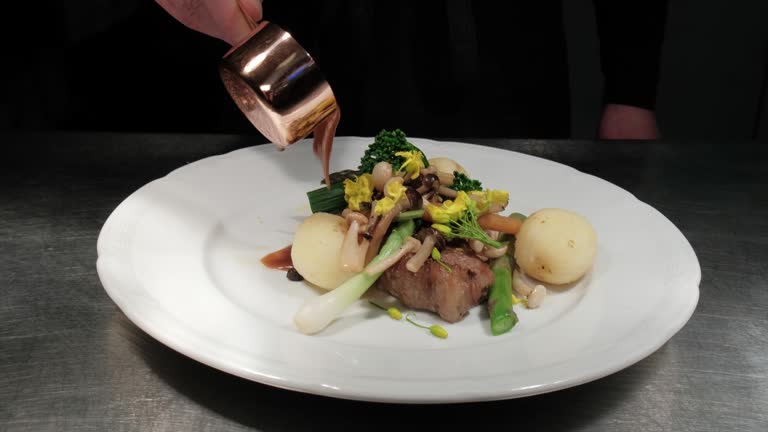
(228, 20)
(251, 8)
(247, 14)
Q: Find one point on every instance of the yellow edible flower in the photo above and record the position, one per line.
(383, 206)
(449, 211)
(395, 313)
(438, 331)
(500, 197)
(445, 229)
(438, 257)
(414, 162)
(394, 191)
(358, 191)
(485, 199)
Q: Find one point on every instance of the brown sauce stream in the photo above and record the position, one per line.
(322, 146)
(323, 141)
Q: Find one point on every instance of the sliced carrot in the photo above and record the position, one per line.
(499, 223)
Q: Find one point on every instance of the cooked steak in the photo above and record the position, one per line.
(433, 288)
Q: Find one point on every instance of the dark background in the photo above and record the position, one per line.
(713, 69)
(713, 74)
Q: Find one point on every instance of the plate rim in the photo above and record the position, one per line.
(177, 344)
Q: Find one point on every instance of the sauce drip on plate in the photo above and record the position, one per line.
(280, 260)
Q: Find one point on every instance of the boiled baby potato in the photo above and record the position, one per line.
(555, 246)
(316, 248)
(446, 165)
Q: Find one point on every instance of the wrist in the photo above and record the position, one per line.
(627, 122)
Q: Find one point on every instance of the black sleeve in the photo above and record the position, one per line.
(631, 34)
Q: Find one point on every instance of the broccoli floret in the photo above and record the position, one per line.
(463, 183)
(384, 147)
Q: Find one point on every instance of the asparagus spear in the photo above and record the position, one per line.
(503, 318)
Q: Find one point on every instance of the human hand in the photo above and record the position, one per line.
(628, 122)
(223, 19)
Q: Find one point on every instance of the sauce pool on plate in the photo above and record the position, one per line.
(281, 260)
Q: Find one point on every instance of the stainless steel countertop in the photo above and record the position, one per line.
(70, 360)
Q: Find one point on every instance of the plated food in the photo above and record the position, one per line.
(180, 257)
(430, 235)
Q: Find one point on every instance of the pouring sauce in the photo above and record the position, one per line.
(323, 142)
(322, 145)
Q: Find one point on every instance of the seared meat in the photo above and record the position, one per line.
(433, 288)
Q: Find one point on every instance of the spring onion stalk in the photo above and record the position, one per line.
(411, 214)
(327, 200)
(500, 298)
(318, 312)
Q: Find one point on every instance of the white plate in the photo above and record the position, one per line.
(180, 257)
